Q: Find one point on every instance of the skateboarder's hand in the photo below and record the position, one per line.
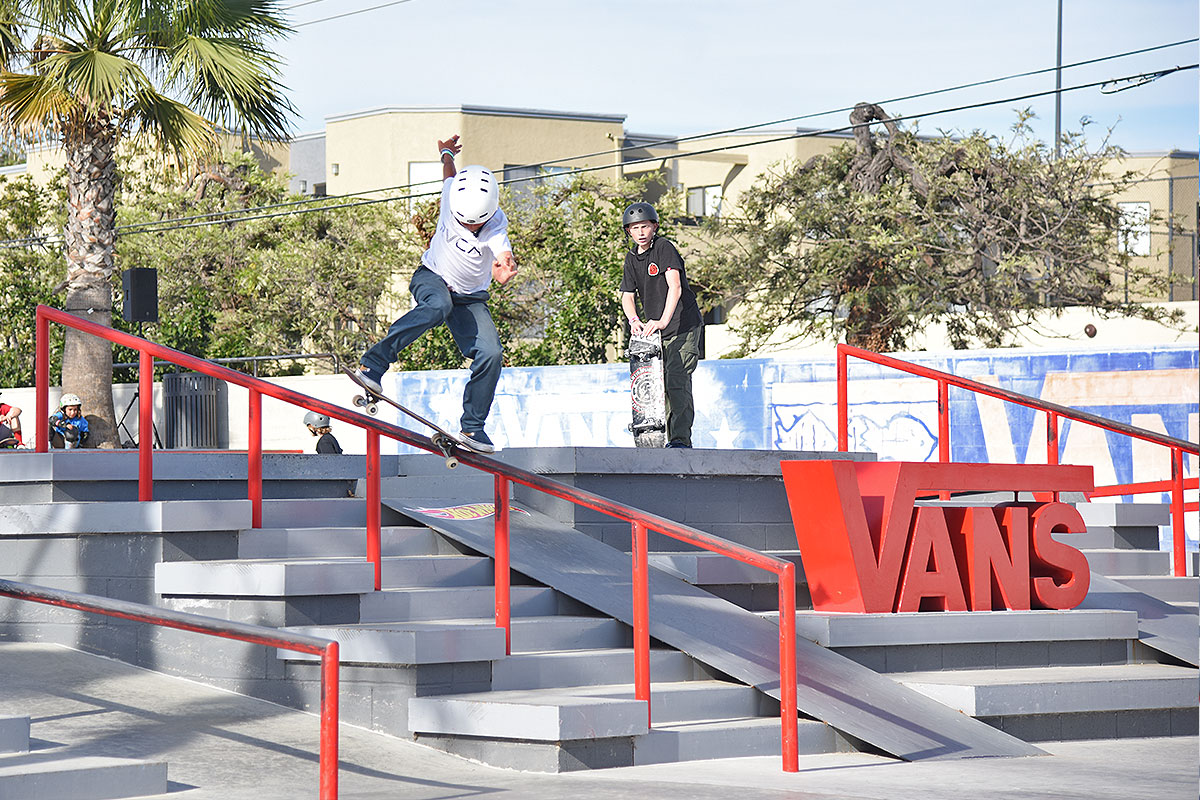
(504, 267)
(450, 144)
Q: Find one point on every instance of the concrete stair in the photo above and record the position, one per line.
(1122, 542)
(47, 775)
(1039, 675)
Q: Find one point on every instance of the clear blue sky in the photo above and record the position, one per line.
(687, 66)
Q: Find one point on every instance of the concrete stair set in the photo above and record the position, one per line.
(422, 658)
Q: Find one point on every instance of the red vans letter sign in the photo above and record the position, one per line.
(868, 547)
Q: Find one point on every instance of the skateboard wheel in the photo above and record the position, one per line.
(372, 409)
(451, 462)
(359, 401)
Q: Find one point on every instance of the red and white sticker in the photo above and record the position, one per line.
(652, 270)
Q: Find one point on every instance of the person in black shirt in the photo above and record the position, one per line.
(654, 276)
(318, 425)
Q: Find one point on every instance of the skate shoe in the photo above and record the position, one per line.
(477, 441)
(369, 378)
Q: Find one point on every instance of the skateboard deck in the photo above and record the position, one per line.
(443, 440)
(649, 426)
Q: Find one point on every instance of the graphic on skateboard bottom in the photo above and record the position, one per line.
(649, 426)
(443, 440)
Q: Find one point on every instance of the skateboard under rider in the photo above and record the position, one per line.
(649, 426)
(442, 439)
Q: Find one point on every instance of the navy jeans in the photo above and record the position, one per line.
(470, 323)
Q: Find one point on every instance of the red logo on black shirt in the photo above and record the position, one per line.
(652, 270)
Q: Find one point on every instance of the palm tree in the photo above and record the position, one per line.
(87, 74)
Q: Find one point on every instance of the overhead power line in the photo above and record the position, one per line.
(687, 154)
(135, 227)
(244, 216)
(348, 13)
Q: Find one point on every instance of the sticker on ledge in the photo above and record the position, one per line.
(466, 512)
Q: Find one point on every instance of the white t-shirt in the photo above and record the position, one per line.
(461, 258)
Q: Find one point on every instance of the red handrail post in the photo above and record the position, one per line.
(1178, 554)
(374, 507)
(788, 713)
(501, 562)
(943, 406)
(41, 380)
(1051, 438)
(145, 426)
(254, 460)
(843, 411)
(641, 618)
(329, 722)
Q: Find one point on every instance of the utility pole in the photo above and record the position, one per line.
(1058, 90)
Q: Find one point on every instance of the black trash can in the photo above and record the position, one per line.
(192, 410)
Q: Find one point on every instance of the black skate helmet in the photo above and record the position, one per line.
(639, 212)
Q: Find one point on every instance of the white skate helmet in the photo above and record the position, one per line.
(474, 195)
(69, 400)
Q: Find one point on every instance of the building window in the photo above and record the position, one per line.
(704, 201)
(335, 168)
(1135, 228)
(424, 180)
(303, 187)
(521, 180)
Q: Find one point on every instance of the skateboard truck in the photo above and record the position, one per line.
(369, 401)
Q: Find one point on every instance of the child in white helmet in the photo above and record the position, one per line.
(68, 428)
(469, 249)
(318, 425)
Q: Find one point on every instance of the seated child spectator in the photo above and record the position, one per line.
(10, 426)
(68, 428)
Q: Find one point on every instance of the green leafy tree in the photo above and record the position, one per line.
(29, 270)
(287, 283)
(876, 240)
(87, 74)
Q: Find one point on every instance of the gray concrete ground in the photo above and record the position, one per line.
(221, 746)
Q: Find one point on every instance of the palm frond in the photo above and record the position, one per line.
(11, 26)
(29, 104)
(233, 82)
(160, 119)
(99, 79)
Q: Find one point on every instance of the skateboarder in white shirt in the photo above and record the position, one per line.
(469, 249)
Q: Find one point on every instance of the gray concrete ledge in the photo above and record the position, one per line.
(152, 516)
(952, 627)
(651, 461)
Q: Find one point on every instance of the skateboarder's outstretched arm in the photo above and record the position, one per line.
(449, 147)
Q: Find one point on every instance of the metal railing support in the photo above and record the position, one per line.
(641, 617)
(145, 426)
(788, 713)
(503, 604)
(254, 489)
(374, 483)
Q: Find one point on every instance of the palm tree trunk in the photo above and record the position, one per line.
(90, 235)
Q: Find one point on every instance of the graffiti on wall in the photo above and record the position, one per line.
(790, 404)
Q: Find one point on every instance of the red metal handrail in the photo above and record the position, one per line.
(240, 631)
(1053, 412)
(505, 474)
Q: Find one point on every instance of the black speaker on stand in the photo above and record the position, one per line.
(140, 304)
(140, 287)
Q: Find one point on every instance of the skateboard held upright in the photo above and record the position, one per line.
(442, 439)
(649, 426)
